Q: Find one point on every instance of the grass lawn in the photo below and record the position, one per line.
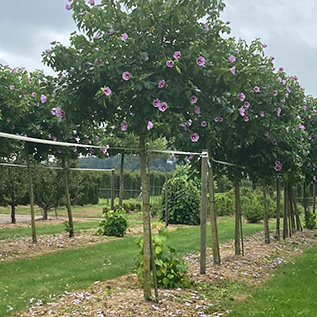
(92, 211)
(70, 270)
(45, 229)
(42, 229)
(291, 292)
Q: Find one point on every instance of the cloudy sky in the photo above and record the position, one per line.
(288, 27)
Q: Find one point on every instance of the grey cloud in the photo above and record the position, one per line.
(288, 27)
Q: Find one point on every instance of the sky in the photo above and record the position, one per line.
(288, 27)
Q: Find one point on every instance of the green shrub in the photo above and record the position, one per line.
(225, 203)
(252, 205)
(170, 268)
(155, 208)
(115, 223)
(183, 197)
(310, 220)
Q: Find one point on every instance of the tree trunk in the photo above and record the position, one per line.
(314, 198)
(278, 209)
(266, 217)
(291, 210)
(112, 188)
(28, 164)
(166, 194)
(237, 213)
(306, 210)
(68, 204)
(146, 222)
(213, 215)
(45, 211)
(285, 222)
(121, 181)
(298, 223)
(203, 213)
(13, 219)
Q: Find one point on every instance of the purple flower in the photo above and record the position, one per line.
(193, 99)
(111, 31)
(262, 114)
(146, 56)
(156, 102)
(92, 2)
(197, 110)
(107, 91)
(162, 106)
(37, 127)
(304, 107)
(274, 142)
(301, 127)
(54, 138)
(206, 26)
(194, 137)
(233, 70)
(75, 149)
(264, 45)
(68, 7)
(246, 118)
(43, 98)
(278, 111)
(284, 82)
(177, 54)
(241, 96)
(149, 125)
(13, 127)
(266, 133)
(256, 89)
(169, 63)
(12, 87)
(126, 75)
(203, 124)
(275, 93)
(220, 119)
(201, 61)
(295, 78)
(124, 37)
(281, 69)
(231, 59)
(246, 105)
(161, 83)
(124, 125)
(60, 113)
(242, 111)
(278, 166)
(30, 80)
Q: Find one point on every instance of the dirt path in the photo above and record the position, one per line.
(6, 219)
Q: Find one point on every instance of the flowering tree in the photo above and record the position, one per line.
(132, 67)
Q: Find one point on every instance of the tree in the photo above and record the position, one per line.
(130, 54)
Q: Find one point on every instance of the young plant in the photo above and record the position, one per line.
(170, 268)
(115, 223)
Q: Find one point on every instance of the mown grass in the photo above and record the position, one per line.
(89, 211)
(291, 291)
(41, 276)
(43, 229)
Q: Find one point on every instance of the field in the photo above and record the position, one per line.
(95, 274)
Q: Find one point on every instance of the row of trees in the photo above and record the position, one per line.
(152, 69)
(47, 186)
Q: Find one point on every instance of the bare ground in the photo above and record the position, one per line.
(124, 296)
